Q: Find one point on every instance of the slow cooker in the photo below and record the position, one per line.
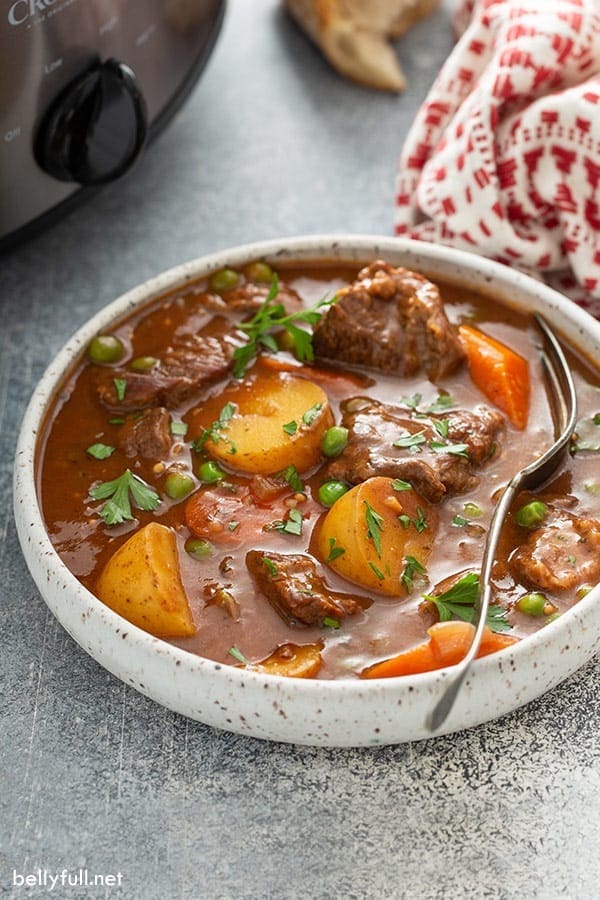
(84, 85)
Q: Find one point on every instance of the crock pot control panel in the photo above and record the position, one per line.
(82, 85)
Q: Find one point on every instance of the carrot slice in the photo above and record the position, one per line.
(500, 373)
(448, 642)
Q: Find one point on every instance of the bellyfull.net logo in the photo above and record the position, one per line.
(67, 878)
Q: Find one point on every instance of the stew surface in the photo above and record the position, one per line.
(318, 503)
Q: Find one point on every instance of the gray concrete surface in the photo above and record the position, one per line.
(94, 775)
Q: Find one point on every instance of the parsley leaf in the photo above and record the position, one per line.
(237, 654)
(215, 432)
(270, 566)
(293, 479)
(459, 601)
(441, 404)
(412, 402)
(442, 427)
(311, 414)
(399, 485)
(460, 521)
(329, 622)
(411, 441)
(100, 451)
(412, 569)
(334, 552)
(290, 427)
(117, 509)
(273, 315)
(454, 449)
(292, 525)
(120, 387)
(374, 526)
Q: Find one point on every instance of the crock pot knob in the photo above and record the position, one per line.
(96, 127)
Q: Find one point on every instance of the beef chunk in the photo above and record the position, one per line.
(392, 320)
(374, 427)
(561, 554)
(192, 361)
(187, 366)
(148, 435)
(296, 591)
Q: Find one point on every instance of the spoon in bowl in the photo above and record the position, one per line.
(563, 398)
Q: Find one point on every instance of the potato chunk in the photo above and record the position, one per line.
(141, 582)
(279, 421)
(377, 525)
(293, 661)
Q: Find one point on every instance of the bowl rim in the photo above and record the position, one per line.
(359, 247)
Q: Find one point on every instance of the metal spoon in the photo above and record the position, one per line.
(564, 401)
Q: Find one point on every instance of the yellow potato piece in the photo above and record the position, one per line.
(365, 522)
(293, 661)
(141, 582)
(264, 404)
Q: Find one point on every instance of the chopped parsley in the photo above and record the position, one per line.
(334, 552)
(442, 427)
(116, 420)
(419, 522)
(100, 451)
(117, 509)
(374, 526)
(273, 315)
(441, 404)
(293, 479)
(412, 402)
(291, 525)
(328, 622)
(460, 521)
(377, 571)
(411, 441)
(412, 569)
(120, 388)
(270, 566)
(454, 449)
(399, 485)
(290, 427)
(215, 432)
(237, 654)
(179, 429)
(311, 414)
(459, 602)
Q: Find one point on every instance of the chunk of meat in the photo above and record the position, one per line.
(560, 555)
(193, 361)
(296, 591)
(374, 428)
(186, 367)
(148, 435)
(390, 319)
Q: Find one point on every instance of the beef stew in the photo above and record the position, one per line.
(213, 483)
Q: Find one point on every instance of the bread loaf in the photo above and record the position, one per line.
(355, 35)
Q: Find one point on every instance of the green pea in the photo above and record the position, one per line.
(105, 348)
(143, 363)
(330, 491)
(178, 485)
(531, 514)
(532, 604)
(224, 280)
(334, 440)
(199, 548)
(259, 271)
(210, 472)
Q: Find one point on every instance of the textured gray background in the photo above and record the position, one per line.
(94, 775)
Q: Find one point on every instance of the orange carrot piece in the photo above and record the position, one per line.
(500, 373)
(448, 643)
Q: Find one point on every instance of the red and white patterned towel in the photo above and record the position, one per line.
(503, 158)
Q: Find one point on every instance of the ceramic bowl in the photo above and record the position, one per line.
(325, 713)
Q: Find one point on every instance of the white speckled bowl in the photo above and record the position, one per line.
(326, 713)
